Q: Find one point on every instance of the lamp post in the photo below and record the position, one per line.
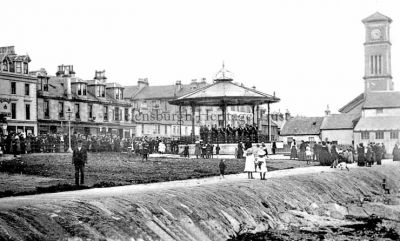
(69, 112)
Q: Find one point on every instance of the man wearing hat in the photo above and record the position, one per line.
(79, 159)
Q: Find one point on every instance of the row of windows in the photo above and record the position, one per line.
(175, 130)
(14, 88)
(15, 67)
(117, 112)
(379, 135)
(14, 111)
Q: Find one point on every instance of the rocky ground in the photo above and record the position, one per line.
(316, 203)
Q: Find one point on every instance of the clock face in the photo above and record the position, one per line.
(376, 34)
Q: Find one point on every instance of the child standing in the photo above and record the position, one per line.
(222, 167)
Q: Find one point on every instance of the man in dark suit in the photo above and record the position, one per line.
(214, 134)
(79, 159)
(240, 133)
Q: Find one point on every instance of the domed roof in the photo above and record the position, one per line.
(223, 74)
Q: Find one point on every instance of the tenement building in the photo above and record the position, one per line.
(17, 93)
(92, 106)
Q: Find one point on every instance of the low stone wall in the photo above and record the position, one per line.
(206, 212)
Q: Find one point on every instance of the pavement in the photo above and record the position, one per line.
(277, 156)
(96, 193)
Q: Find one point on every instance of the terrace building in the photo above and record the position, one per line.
(17, 92)
(92, 106)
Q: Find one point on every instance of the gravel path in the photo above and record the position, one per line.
(95, 193)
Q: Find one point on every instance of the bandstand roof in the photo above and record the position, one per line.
(224, 92)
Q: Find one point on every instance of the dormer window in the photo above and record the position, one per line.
(26, 68)
(100, 91)
(5, 65)
(118, 94)
(81, 89)
(45, 84)
(11, 67)
(18, 67)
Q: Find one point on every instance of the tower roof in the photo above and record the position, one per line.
(377, 17)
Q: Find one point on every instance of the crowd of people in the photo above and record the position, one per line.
(20, 143)
(229, 134)
(329, 153)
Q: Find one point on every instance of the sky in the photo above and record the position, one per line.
(309, 52)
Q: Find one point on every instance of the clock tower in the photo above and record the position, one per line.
(378, 73)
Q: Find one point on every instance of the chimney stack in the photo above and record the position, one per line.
(68, 86)
(178, 85)
(100, 75)
(327, 111)
(143, 82)
(287, 115)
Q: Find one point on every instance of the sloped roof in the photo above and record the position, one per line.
(382, 99)
(378, 123)
(339, 121)
(160, 91)
(130, 91)
(359, 100)
(224, 91)
(302, 126)
(264, 121)
(376, 17)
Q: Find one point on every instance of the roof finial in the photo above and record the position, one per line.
(223, 69)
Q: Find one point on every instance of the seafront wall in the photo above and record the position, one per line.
(215, 211)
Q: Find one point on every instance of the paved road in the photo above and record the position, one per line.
(10, 202)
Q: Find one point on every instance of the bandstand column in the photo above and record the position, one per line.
(252, 109)
(224, 114)
(193, 133)
(258, 117)
(180, 122)
(269, 124)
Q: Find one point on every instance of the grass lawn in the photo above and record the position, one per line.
(54, 172)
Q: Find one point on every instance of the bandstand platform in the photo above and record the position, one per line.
(223, 92)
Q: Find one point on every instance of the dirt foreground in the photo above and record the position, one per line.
(308, 199)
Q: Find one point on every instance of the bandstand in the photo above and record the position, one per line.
(223, 92)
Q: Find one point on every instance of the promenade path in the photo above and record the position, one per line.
(96, 193)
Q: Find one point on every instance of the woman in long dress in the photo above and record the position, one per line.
(262, 161)
(293, 151)
(396, 153)
(197, 149)
(249, 164)
(324, 156)
(161, 147)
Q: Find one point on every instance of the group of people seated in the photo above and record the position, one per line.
(229, 134)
